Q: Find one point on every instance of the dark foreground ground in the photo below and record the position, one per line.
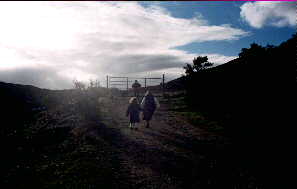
(174, 153)
(70, 139)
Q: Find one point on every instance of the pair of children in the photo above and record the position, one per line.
(148, 105)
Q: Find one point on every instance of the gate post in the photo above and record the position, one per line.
(163, 84)
(107, 81)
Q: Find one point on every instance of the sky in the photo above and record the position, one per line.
(49, 44)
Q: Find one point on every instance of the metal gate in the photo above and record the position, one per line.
(155, 84)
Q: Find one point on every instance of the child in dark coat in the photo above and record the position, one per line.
(133, 111)
(149, 104)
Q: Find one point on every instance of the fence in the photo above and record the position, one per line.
(125, 83)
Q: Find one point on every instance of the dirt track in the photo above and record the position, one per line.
(77, 143)
(171, 153)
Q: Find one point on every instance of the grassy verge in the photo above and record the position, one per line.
(177, 103)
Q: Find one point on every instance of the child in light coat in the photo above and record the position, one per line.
(133, 111)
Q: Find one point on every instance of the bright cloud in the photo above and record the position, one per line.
(259, 14)
(83, 40)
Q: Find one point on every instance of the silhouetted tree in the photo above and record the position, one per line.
(91, 84)
(200, 63)
(253, 51)
(79, 85)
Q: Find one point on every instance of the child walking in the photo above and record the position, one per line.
(133, 111)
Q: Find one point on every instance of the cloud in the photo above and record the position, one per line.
(42, 77)
(259, 14)
(60, 41)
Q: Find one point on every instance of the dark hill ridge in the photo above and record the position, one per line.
(263, 63)
(18, 102)
(23, 101)
(22, 94)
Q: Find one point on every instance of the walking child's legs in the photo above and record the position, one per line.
(135, 126)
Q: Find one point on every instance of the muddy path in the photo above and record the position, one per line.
(172, 153)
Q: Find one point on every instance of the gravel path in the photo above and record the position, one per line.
(171, 153)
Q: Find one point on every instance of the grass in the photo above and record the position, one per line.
(178, 104)
(198, 119)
